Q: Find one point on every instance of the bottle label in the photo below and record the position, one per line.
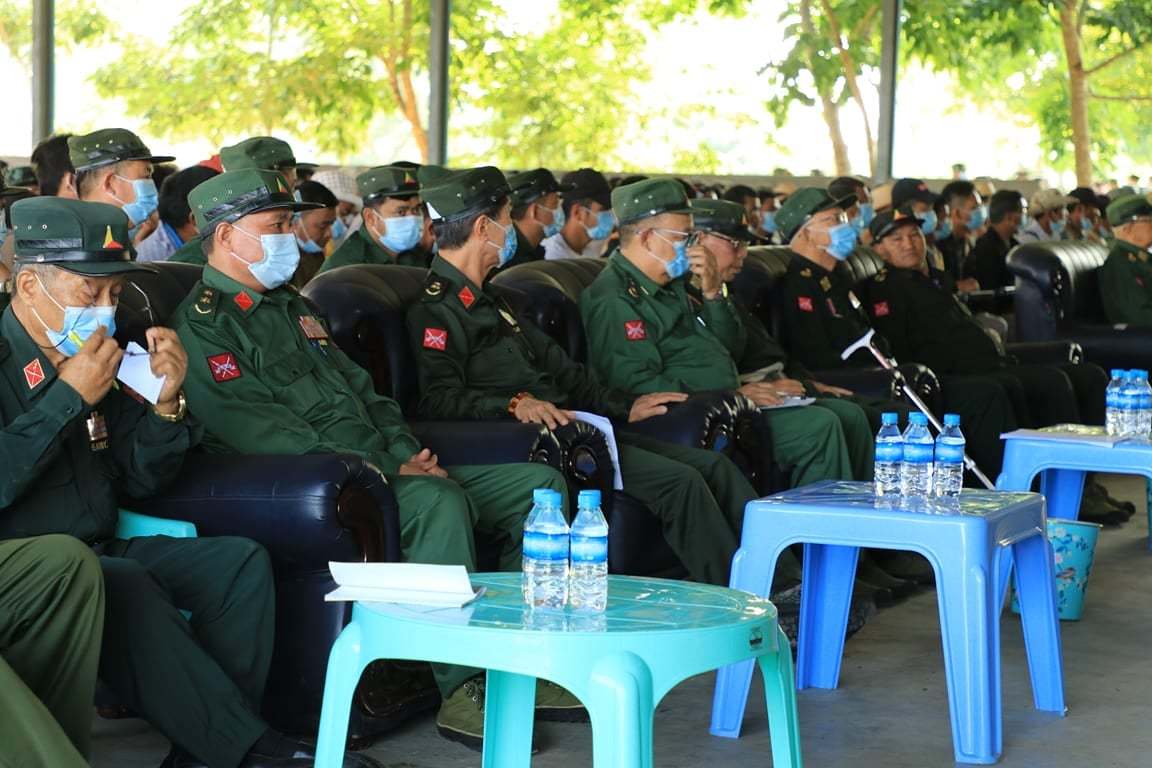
(889, 451)
(918, 453)
(545, 546)
(589, 549)
(949, 453)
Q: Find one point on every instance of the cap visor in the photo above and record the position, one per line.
(102, 268)
(308, 166)
(153, 158)
(293, 206)
(843, 203)
(13, 191)
(906, 222)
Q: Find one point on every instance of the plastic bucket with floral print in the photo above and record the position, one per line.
(1073, 547)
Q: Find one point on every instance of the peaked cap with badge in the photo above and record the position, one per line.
(81, 237)
(805, 203)
(265, 153)
(648, 198)
(108, 146)
(465, 193)
(388, 181)
(723, 217)
(887, 222)
(235, 194)
(530, 186)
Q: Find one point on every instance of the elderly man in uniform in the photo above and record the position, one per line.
(536, 213)
(393, 221)
(113, 166)
(265, 378)
(1126, 276)
(74, 444)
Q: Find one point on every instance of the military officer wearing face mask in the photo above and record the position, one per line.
(113, 166)
(1126, 276)
(393, 218)
(536, 213)
(265, 378)
(313, 229)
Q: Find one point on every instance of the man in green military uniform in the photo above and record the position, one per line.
(74, 444)
(265, 378)
(645, 336)
(51, 617)
(393, 221)
(477, 361)
(1126, 276)
(536, 213)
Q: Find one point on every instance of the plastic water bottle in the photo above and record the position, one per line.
(948, 471)
(916, 469)
(889, 455)
(1129, 403)
(588, 575)
(1112, 402)
(1143, 404)
(545, 580)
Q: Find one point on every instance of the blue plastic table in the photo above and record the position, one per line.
(654, 634)
(964, 545)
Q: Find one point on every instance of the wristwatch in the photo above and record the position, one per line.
(181, 411)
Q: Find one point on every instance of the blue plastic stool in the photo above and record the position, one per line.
(133, 525)
(964, 544)
(655, 634)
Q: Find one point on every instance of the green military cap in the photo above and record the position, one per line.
(723, 217)
(265, 153)
(1124, 209)
(464, 193)
(887, 222)
(387, 181)
(530, 186)
(431, 175)
(235, 194)
(81, 237)
(804, 203)
(651, 197)
(107, 146)
(22, 176)
(13, 191)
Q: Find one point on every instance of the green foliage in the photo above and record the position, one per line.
(78, 23)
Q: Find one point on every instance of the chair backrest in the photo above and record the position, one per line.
(550, 297)
(161, 291)
(1056, 283)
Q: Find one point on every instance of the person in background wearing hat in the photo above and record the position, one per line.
(468, 370)
(177, 226)
(968, 217)
(860, 213)
(987, 264)
(265, 378)
(313, 229)
(113, 166)
(1126, 275)
(747, 198)
(536, 213)
(23, 176)
(343, 186)
(586, 200)
(393, 221)
(770, 200)
(1084, 216)
(75, 444)
(933, 212)
(265, 153)
(1048, 211)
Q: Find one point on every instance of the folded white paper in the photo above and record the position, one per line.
(789, 402)
(445, 586)
(605, 426)
(136, 372)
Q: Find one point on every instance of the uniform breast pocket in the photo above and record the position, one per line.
(292, 379)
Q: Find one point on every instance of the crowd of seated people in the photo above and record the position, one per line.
(251, 368)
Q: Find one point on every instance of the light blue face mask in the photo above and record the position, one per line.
(401, 233)
(843, 241)
(768, 222)
(977, 218)
(146, 202)
(79, 324)
(279, 262)
(3, 233)
(558, 219)
(864, 217)
(339, 229)
(1085, 227)
(944, 231)
(928, 222)
(307, 244)
(604, 223)
(679, 265)
(1058, 227)
(508, 249)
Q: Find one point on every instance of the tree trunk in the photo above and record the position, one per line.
(831, 111)
(1077, 90)
(849, 64)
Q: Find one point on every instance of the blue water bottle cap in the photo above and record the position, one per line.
(1132, 373)
(1117, 373)
(542, 496)
(918, 419)
(588, 499)
(556, 498)
(889, 418)
(951, 419)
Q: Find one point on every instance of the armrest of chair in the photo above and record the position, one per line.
(704, 420)
(997, 301)
(1114, 347)
(1046, 352)
(871, 382)
(305, 510)
(463, 443)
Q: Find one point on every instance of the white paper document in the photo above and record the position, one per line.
(605, 426)
(444, 586)
(790, 402)
(136, 372)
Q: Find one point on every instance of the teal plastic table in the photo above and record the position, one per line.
(655, 634)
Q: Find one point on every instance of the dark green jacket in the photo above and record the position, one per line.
(260, 385)
(53, 481)
(475, 356)
(644, 337)
(361, 248)
(821, 316)
(190, 253)
(756, 349)
(1126, 285)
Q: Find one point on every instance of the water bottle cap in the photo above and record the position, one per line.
(542, 496)
(951, 419)
(918, 418)
(1117, 373)
(588, 499)
(889, 418)
(556, 498)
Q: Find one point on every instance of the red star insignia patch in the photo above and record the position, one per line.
(805, 303)
(244, 301)
(634, 330)
(224, 367)
(467, 298)
(880, 309)
(435, 338)
(33, 374)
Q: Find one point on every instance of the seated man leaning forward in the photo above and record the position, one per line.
(477, 361)
(266, 379)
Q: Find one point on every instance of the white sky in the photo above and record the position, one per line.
(935, 126)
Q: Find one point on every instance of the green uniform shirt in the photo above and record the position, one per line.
(475, 356)
(264, 378)
(924, 322)
(1126, 285)
(757, 351)
(644, 337)
(192, 252)
(361, 248)
(53, 480)
(525, 251)
(821, 315)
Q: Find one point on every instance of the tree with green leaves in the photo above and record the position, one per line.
(79, 23)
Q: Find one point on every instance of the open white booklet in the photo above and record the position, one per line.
(605, 426)
(446, 586)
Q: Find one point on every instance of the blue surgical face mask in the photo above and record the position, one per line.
(279, 262)
(145, 203)
(864, 217)
(307, 244)
(768, 221)
(339, 229)
(508, 248)
(1085, 227)
(977, 218)
(3, 233)
(558, 219)
(944, 231)
(604, 223)
(1058, 226)
(928, 222)
(79, 324)
(678, 267)
(401, 233)
(843, 241)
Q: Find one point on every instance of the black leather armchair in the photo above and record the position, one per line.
(1058, 297)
